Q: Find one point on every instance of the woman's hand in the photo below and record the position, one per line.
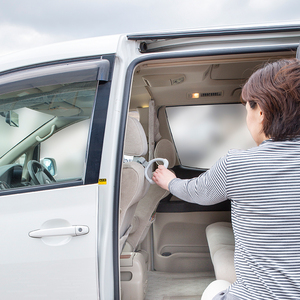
(162, 177)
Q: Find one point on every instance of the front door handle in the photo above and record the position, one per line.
(75, 230)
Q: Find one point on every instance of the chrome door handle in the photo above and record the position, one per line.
(75, 230)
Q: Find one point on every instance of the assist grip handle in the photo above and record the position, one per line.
(166, 164)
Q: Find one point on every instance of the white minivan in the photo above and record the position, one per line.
(80, 121)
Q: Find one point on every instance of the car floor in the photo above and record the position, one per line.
(177, 286)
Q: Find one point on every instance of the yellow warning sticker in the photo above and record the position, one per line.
(102, 181)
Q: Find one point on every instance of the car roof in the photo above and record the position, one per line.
(93, 47)
(90, 47)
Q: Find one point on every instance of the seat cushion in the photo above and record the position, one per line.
(223, 262)
(221, 246)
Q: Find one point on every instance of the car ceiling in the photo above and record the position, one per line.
(216, 79)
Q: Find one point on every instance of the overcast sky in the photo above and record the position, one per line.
(30, 23)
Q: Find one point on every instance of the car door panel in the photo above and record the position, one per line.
(180, 243)
(57, 267)
(179, 237)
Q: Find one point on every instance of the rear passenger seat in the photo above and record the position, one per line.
(221, 246)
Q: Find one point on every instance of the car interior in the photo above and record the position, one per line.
(191, 114)
(44, 134)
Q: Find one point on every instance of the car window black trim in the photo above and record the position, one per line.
(37, 188)
(97, 129)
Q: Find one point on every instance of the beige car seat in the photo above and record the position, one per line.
(220, 239)
(133, 182)
(145, 212)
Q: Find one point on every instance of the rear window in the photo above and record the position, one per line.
(202, 134)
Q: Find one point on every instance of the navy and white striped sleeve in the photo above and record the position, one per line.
(207, 189)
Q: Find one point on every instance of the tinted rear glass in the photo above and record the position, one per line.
(202, 134)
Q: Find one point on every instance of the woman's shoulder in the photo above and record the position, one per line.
(266, 149)
(238, 156)
(243, 152)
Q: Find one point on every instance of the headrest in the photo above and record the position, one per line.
(135, 138)
(165, 149)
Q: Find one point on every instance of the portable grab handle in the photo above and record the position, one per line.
(166, 164)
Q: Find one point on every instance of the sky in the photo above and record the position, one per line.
(32, 23)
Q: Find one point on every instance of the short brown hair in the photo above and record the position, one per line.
(276, 89)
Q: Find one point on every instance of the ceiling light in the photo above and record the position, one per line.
(193, 95)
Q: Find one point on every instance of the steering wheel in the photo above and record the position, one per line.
(38, 173)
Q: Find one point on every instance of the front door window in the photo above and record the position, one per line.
(49, 122)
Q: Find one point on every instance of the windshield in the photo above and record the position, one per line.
(28, 120)
(202, 134)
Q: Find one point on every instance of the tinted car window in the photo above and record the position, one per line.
(204, 133)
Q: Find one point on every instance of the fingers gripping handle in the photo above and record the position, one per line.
(166, 164)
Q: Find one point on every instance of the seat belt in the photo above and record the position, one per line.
(151, 129)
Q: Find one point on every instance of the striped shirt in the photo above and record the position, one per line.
(263, 184)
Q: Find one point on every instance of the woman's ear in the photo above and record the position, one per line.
(261, 114)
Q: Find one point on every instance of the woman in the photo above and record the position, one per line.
(263, 184)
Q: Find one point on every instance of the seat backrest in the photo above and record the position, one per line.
(144, 214)
(133, 182)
